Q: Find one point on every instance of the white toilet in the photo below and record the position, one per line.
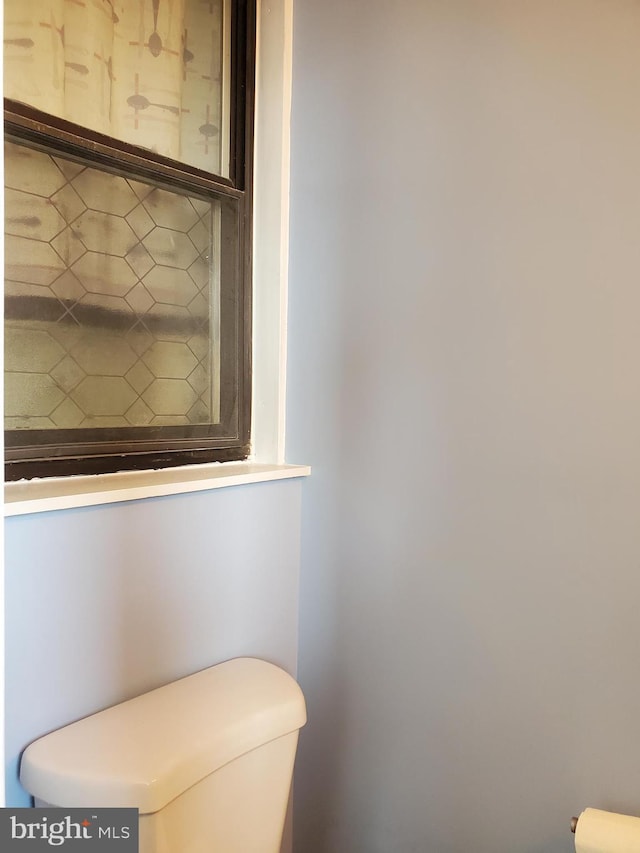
(207, 760)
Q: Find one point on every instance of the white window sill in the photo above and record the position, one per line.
(28, 496)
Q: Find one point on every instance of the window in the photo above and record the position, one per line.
(128, 232)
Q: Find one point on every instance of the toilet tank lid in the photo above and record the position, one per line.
(145, 752)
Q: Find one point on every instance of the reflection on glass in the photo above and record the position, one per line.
(153, 73)
(112, 298)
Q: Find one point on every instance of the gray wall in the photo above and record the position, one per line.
(104, 603)
(464, 380)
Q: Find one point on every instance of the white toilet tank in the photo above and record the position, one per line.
(207, 760)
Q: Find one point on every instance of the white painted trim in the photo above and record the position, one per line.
(55, 493)
(271, 227)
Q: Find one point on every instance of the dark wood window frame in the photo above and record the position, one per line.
(56, 452)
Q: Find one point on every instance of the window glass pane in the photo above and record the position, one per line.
(155, 73)
(112, 295)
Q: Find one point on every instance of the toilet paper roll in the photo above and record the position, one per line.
(605, 832)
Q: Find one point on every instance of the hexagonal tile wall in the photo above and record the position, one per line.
(170, 360)
(105, 192)
(170, 248)
(108, 298)
(31, 216)
(104, 232)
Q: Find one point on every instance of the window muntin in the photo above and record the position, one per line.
(216, 425)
